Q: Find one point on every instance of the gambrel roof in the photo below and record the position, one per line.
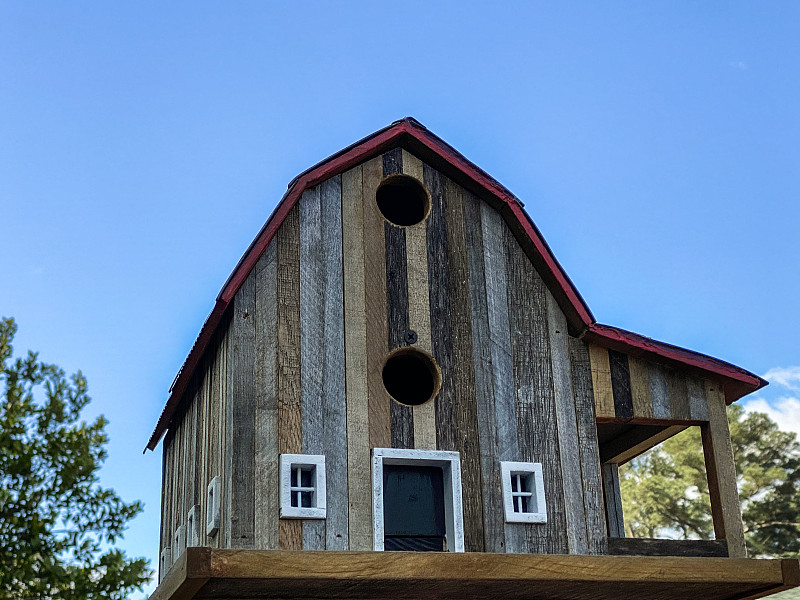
(414, 137)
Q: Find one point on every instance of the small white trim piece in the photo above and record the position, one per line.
(213, 503)
(178, 542)
(318, 509)
(193, 526)
(450, 463)
(164, 563)
(533, 471)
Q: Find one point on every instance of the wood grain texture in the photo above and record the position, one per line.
(567, 428)
(678, 395)
(379, 402)
(721, 473)
(499, 339)
(392, 161)
(621, 384)
(464, 426)
(355, 321)
(312, 343)
(636, 441)
(659, 392)
(334, 402)
(601, 381)
(698, 407)
(659, 547)
(616, 522)
(419, 308)
(241, 374)
(266, 406)
(226, 377)
(594, 508)
(534, 395)
(494, 524)
(640, 388)
(290, 438)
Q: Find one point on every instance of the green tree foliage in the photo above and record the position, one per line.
(57, 525)
(665, 491)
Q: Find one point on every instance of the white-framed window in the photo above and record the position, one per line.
(164, 563)
(213, 503)
(178, 542)
(193, 526)
(523, 492)
(448, 462)
(302, 486)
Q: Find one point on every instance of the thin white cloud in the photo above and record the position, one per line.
(784, 411)
(788, 377)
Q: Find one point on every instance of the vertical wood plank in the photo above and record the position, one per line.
(492, 225)
(698, 408)
(616, 522)
(226, 530)
(640, 389)
(567, 424)
(494, 524)
(241, 370)
(659, 392)
(166, 490)
(266, 406)
(601, 381)
(334, 405)
(534, 394)
(458, 338)
(289, 407)
(358, 465)
(312, 343)
(224, 432)
(621, 384)
(419, 306)
(596, 539)
(199, 457)
(380, 435)
(678, 395)
(721, 473)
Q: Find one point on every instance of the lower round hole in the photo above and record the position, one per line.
(411, 377)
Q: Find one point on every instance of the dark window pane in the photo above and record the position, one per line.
(514, 483)
(306, 479)
(413, 501)
(295, 501)
(524, 483)
(414, 543)
(306, 498)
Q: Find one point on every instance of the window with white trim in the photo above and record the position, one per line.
(193, 527)
(523, 492)
(302, 486)
(213, 504)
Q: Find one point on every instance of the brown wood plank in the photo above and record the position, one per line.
(358, 463)
(392, 161)
(678, 395)
(601, 381)
(636, 441)
(640, 388)
(440, 308)
(621, 384)
(616, 521)
(379, 402)
(721, 473)
(493, 519)
(567, 429)
(289, 408)
(419, 308)
(266, 406)
(465, 417)
(242, 370)
(658, 547)
(534, 394)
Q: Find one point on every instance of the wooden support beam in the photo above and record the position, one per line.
(635, 441)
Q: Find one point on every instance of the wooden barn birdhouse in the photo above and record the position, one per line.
(399, 393)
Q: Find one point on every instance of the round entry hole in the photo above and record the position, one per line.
(411, 377)
(402, 200)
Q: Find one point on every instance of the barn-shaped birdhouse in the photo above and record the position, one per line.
(399, 393)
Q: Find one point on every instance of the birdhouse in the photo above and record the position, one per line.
(399, 393)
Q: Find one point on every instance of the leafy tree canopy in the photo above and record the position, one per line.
(665, 491)
(58, 526)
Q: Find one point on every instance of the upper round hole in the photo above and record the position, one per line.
(411, 377)
(402, 200)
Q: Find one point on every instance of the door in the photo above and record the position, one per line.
(413, 500)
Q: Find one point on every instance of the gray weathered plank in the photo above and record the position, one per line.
(596, 536)
(659, 392)
(616, 522)
(266, 405)
(678, 395)
(621, 384)
(494, 524)
(698, 407)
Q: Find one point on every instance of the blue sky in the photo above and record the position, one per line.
(143, 145)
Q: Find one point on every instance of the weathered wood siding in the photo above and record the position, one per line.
(298, 367)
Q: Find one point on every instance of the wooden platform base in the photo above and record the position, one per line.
(206, 573)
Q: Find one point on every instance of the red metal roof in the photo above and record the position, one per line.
(412, 135)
